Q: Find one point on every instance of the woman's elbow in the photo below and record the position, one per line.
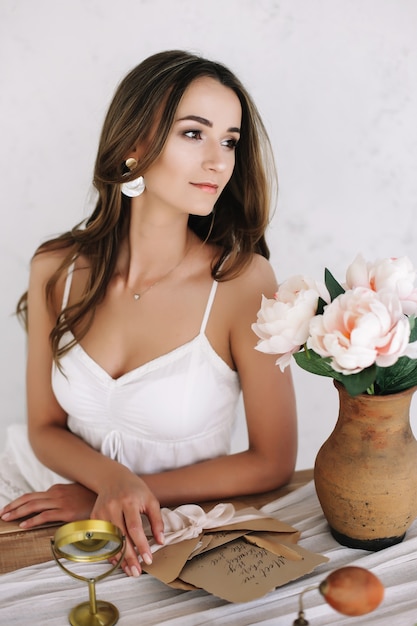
(275, 470)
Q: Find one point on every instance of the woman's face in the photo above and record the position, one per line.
(199, 155)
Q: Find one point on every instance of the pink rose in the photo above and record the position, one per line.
(283, 321)
(359, 328)
(396, 275)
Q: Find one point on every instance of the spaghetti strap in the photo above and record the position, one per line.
(208, 307)
(67, 286)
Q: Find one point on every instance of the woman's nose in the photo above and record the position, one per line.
(215, 158)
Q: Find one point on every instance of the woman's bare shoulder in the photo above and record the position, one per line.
(257, 278)
(260, 267)
(45, 263)
(48, 264)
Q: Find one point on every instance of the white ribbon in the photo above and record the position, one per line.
(112, 445)
(190, 520)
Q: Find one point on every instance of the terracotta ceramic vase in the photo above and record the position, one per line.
(365, 474)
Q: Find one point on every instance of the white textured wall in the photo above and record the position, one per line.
(336, 82)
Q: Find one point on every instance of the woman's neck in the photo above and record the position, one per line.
(153, 248)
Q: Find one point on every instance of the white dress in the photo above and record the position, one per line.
(175, 410)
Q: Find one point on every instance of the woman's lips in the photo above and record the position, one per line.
(206, 187)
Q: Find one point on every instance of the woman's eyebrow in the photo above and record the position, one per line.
(206, 122)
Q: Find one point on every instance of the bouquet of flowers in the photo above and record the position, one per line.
(362, 333)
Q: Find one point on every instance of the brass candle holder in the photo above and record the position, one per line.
(90, 541)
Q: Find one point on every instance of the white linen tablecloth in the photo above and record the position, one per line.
(43, 594)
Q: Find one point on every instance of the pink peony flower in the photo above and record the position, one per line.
(283, 321)
(396, 275)
(359, 328)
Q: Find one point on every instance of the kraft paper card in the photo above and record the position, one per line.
(238, 554)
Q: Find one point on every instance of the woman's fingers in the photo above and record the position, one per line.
(27, 504)
(130, 564)
(114, 513)
(156, 522)
(60, 503)
(44, 517)
(126, 513)
(138, 537)
(133, 521)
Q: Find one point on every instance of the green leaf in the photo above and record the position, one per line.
(360, 382)
(320, 305)
(311, 362)
(413, 328)
(398, 377)
(354, 383)
(333, 286)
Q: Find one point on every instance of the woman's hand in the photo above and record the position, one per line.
(60, 503)
(122, 502)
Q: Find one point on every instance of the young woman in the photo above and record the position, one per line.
(143, 314)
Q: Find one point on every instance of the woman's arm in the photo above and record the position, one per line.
(269, 403)
(122, 496)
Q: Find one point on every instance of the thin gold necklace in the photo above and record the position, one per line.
(138, 295)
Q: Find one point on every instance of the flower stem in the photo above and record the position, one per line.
(301, 621)
(371, 390)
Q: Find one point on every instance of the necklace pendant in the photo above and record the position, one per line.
(136, 296)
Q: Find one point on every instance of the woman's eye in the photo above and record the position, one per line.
(193, 134)
(230, 143)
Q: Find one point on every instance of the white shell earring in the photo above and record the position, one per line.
(134, 187)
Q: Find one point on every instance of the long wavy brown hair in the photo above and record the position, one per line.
(143, 109)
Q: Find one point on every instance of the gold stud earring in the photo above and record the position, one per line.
(131, 163)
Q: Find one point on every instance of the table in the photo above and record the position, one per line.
(42, 594)
(20, 548)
